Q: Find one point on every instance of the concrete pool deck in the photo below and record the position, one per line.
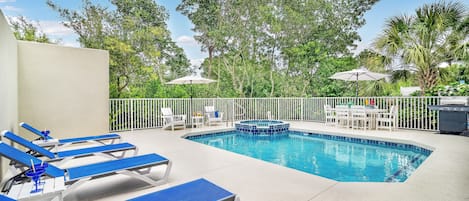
(443, 176)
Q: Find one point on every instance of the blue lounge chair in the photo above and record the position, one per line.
(112, 137)
(63, 156)
(197, 190)
(135, 166)
(5, 198)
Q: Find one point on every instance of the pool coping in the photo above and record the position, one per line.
(442, 176)
(394, 136)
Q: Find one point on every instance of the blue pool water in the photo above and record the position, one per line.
(335, 157)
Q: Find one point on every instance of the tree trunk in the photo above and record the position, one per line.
(210, 56)
(427, 79)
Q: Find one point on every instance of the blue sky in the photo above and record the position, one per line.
(180, 26)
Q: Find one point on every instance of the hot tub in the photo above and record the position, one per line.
(262, 127)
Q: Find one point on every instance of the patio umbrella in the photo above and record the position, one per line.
(191, 79)
(359, 74)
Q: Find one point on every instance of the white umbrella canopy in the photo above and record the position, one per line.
(191, 79)
(359, 74)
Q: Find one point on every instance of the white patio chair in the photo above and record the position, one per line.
(387, 120)
(329, 115)
(171, 120)
(212, 115)
(359, 117)
(342, 116)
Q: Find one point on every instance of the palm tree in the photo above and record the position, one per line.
(436, 33)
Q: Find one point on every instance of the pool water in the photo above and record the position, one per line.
(339, 158)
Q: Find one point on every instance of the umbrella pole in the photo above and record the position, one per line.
(356, 91)
(191, 105)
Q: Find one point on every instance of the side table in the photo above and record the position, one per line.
(197, 121)
(51, 188)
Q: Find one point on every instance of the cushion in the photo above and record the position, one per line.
(211, 114)
(216, 114)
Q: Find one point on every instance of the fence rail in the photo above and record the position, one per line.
(130, 114)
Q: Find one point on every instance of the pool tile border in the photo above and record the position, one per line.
(380, 143)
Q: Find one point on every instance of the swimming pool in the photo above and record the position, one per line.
(339, 158)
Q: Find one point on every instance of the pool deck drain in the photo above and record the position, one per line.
(442, 176)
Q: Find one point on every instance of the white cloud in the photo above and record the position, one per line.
(50, 28)
(362, 45)
(5, 1)
(55, 28)
(197, 62)
(11, 8)
(195, 65)
(186, 40)
(71, 43)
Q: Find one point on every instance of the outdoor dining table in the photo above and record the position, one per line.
(371, 112)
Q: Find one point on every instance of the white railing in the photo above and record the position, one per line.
(129, 114)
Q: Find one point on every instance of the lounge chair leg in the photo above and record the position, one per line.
(74, 186)
(59, 198)
(148, 179)
(168, 170)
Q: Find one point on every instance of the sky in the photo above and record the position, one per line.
(180, 26)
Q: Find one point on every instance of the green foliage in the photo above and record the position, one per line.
(139, 44)
(436, 33)
(276, 48)
(451, 78)
(26, 30)
(454, 73)
(453, 89)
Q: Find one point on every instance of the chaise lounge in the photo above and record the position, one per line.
(5, 198)
(196, 190)
(135, 166)
(100, 139)
(63, 156)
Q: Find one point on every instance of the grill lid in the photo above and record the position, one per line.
(455, 100)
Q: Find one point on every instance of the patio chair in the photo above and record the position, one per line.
(387, 120)
(329, 115)
(196, 190)
(342, 116)
(359, 117)
(172, 120)
(212, 115)
(135, 167)
(99, 139)
(64, 156)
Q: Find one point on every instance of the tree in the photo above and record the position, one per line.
(24, 29)
(254, 42)
(436, 33)
(137, 38)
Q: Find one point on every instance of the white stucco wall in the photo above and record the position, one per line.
(63, 89)
(8, 81)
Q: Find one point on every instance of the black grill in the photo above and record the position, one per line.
(453, 118)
